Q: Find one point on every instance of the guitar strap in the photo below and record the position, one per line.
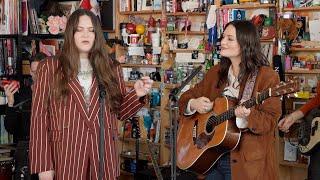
(248, 89)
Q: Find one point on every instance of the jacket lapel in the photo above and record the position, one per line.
(77, 94)
(94, 101)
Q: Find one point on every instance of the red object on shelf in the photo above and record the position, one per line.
(6, 82)
(85, 4)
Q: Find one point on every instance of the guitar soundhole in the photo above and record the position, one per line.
(211, 124)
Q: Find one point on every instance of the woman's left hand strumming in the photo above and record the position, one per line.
(143, 86)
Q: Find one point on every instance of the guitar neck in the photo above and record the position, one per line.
(231, 112)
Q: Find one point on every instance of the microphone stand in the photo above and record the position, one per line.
(173, 116)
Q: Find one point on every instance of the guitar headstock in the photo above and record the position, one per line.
(287, 87)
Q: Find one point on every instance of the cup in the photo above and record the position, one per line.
(134, 39)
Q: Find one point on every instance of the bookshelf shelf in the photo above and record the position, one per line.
(155, 85)
(296, 49)
(187, 50)
(249, 6)
(186, 32)
(140, 12)
(187, 14)
(5, 36)
(142, 141)
(313, 71)
(293, 164)
(141, 65)
(311, 8)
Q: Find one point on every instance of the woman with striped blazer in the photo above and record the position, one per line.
(64, 133)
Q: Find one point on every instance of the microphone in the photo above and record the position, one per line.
(176, 91)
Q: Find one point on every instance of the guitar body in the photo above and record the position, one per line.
(197, 149)
(314, 137)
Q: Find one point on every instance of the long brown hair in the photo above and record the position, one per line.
(103, 66)
(251, 54)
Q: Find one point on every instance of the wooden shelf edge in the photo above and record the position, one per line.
(126, 173)
(141, 65)
(293, 164)
(142, 141)
(140, 12)
(314, 71)
(186, 32)
(187, 14)
(295, 49)
(248, 6)
(311, 8)
(187, 50)
(155, 84)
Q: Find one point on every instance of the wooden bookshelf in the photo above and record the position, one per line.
(141, 12)
(143, 141)
(293, 164)
(155, 84)
(248, 6)
(295, 49)
(307, 71)
(187, 14)
(311, 8)
(187, 50)
(186, 32)
(141, 65)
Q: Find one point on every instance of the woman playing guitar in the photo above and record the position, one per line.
(243, 72)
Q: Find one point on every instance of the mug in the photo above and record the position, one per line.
(134, 39)
(155, 76)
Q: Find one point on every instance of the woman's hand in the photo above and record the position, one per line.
(47, 175)
(143, 86)
(9, 90)
(242, 112)
(201, 105)
(285, 123)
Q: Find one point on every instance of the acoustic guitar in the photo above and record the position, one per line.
(203, 138)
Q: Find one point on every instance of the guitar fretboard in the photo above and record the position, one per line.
(216, 120)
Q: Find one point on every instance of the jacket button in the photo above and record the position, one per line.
(234, 161)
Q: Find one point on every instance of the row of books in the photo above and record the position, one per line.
(140, 5)
(9, 20)
(8, 56)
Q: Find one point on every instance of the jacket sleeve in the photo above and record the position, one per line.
(313, 103)
(40, 148)
(264, 117)
(131, 103)
(198, 90)
(10, 119)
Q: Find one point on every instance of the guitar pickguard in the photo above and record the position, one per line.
(203, 139)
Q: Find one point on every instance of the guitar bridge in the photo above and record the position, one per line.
(195, 132)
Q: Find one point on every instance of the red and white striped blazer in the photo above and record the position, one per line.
(64, 136)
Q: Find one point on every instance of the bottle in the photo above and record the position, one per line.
(175, 43)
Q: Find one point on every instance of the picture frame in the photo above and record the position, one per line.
(147, 5)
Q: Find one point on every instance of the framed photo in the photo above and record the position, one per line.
(108, 20)
(147, 5)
